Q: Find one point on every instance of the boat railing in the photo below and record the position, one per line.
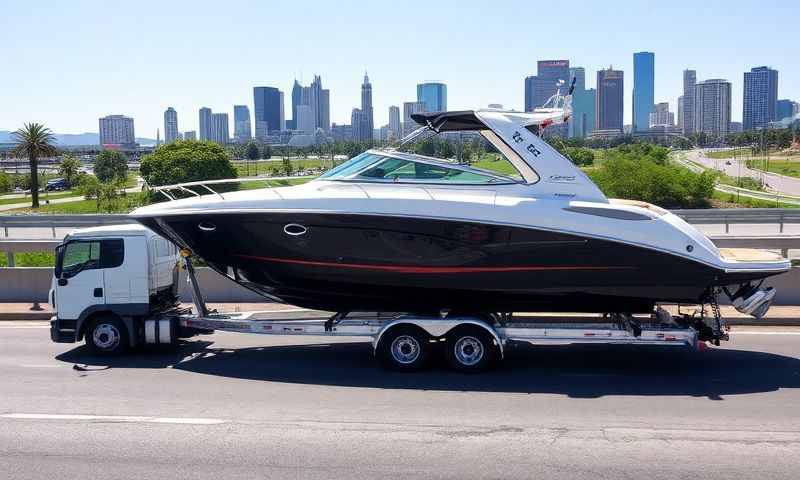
(192, 188)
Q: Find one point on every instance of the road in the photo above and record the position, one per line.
(778, 183)
(241, 406)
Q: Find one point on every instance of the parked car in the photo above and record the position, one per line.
(56, 185)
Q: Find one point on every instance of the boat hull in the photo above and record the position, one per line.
(348, 262)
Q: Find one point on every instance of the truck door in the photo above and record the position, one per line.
(80, 274)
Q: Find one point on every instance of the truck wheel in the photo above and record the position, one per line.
(107, 336)
(404, 349)
(470, 349)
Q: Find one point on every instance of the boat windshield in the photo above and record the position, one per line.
(374, 167)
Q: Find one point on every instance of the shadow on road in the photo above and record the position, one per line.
(582, 371)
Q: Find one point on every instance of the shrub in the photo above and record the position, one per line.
(187, 161)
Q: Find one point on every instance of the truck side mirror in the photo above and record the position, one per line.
(62, 282)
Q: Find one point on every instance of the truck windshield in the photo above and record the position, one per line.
(75, 256)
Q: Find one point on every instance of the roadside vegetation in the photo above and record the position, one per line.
(29, 259)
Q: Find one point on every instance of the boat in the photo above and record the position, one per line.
(390, 230)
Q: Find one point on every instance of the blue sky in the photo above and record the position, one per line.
(66, 63)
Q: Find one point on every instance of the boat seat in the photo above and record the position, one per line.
(749, 255)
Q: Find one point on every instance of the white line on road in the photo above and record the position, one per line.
(113, 418)
(769, 332)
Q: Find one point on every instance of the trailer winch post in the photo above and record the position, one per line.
(197, 296)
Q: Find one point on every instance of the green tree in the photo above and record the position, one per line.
(186, 161)
(6, 185)
(111, 165)
(70, 170)
(89, 187)
(287, 166)
(34, 140)
(266, 152)
(251, 151)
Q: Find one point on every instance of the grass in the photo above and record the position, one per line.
(495, 163)
(738, 152)
(124, 204)
(730, 200)
(274, 166)
(256, 184)
(42, 197)
(29, 259)
(789, 167)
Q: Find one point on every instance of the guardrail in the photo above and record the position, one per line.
(737, 216)
(60, 221)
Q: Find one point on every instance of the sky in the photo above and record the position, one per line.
(67, 63)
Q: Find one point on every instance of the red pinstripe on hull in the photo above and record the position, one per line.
(417, 269)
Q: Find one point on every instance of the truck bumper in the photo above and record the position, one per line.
(63, 331)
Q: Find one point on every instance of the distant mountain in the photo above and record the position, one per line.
(73, 139)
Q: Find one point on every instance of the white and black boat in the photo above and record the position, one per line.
(394, 231)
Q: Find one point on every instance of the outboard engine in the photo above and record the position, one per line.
(752, 299)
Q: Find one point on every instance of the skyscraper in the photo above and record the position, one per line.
(610, 103)
(268, 103)
(680, 113)
(549, 75)
(712, 107)
(170, 125)
(358, 119)
(394, 122)
(366, 108)
(205, 123)
(784, 109)
(661, 115)
(760, 97)
(117, 130)
(689, 81)
(241, 124)
(297, 96)
(433, 95)
(190, 135)
(305, 120)
(409, 125)
(219, 128)
(583, 105)
(643, 89)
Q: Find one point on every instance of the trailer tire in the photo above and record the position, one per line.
(470, 349)
(106, 335)
(404, 348)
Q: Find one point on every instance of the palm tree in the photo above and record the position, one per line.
(34, 140)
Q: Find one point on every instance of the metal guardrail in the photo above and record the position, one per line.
(60, 221)
(738, 216)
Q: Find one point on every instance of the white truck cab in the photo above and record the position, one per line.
(106, 279)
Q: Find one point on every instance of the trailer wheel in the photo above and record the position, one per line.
(404, 348)
(470, 349)
(106, 335)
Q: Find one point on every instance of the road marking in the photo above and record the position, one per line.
(114, 418)
(734, 332)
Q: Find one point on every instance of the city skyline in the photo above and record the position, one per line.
(147, 80)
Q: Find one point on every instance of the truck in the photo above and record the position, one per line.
(116, 288)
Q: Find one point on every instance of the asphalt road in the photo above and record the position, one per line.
(243, 406)
(780, 183)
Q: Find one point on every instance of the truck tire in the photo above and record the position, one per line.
(470, 349)
(405, 349)
(106, 335)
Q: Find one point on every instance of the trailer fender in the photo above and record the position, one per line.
(438, 328)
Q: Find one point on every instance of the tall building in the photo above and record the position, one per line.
(368, 119)
(394, 122)
(117, 130)
(297, 95)
(190, 135)
(205, 123)
(304, 119)
(433, 95)
(689, 82)
(550, 74)
(712, 107)
(661, 116)
(268, 103)
(241, 123)
(583, 105)
(609, 99)
(644, 76)
(358, 119)
(219, 128)
(784, 109)
(680, 113)
(409, 125)
(170, 125)
(760, 97)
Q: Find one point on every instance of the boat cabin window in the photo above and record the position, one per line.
(372, 167)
